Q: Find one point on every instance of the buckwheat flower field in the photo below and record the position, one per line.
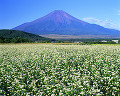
(63, 70)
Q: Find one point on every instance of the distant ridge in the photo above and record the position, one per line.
(15, 34)
(61, 23)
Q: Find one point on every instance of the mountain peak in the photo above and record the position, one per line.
(62, 23)
(60, 16)
(58, 11)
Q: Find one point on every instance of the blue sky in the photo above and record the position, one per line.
(103, 12)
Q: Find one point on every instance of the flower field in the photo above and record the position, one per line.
(63, 70)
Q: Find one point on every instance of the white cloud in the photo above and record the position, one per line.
(119, 12)
(105, 23)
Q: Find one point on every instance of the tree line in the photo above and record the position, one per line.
(21, 40)
(26, 40)
(14, 40)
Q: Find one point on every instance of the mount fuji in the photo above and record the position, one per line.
(61, 23)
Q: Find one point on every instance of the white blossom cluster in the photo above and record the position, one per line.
(63, 70)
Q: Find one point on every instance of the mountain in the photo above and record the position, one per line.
(15, 34)
(61, 23)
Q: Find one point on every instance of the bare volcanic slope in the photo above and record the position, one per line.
(61, 23)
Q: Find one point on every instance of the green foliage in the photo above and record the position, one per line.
(20, 36)
(99, 42)
(14, 40)
(65, 70)
(47, 41)
(58, 41)
(93, 41)
(119, 41)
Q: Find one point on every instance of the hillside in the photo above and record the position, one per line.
(59, 22)
(15, 34)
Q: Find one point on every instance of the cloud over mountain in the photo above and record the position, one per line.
(105, 23)
(119, 12)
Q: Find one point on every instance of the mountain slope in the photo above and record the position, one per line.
(15, 34)
(61, 23)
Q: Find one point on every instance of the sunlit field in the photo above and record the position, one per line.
(63, 70)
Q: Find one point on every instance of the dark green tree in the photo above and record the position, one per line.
(58, 41)
(26, 40)
(119, 41)
(19, 40)
(6, 40)
(1, 40)
(14, 40)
